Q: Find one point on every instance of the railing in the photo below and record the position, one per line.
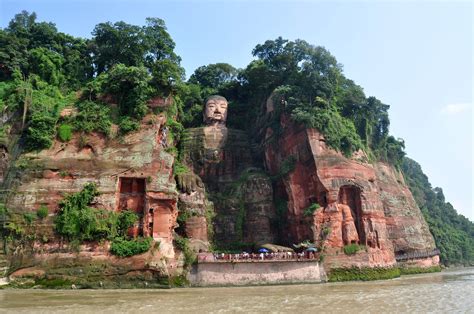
(257, 257)
(417, 255)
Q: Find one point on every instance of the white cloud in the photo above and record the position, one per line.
(452, 109)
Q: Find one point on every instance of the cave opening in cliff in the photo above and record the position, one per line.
(132, 197)
(350, 195)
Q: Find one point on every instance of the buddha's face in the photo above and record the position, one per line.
(215, 112)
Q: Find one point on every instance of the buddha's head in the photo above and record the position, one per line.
(215, 112)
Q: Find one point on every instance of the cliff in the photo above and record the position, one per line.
(304, 192)
(132, 172)
(353, 201)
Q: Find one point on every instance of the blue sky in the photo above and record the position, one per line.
(416, 57)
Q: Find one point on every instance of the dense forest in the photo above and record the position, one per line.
(110, 77)
(453, 233)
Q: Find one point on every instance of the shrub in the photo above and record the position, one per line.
(123, 247)
(128, 125)
(65, 132)
(183, 245)
(364, 274)
(339, 132)
(29, 218)
(419, 270)
(309, 211)
(77, 221)
(42, 212)
(129, 85)
(325, 232)
(287, 166)
(351, 249)
(125, 220)
(179, 168)
(92, 117)
(40, 132)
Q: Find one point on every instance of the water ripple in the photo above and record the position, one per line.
(451, 291)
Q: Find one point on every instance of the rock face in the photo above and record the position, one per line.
(357, 202)
(407, 229)
(303, 191)
(4, 160)
(132, 173)
(242, 194)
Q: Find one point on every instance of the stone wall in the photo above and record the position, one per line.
(256, 273)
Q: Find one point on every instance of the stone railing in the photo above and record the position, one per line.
(416, 255)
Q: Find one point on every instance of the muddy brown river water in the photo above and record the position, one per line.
(447, 292)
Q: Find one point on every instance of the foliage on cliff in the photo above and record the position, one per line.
(453, 233)
(306, 83)
(77, 220)
(42, 70)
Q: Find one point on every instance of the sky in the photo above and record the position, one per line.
(416, 57)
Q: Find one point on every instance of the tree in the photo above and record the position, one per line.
(47, 65)
(117, 43)
(453, 233)
(40, 132)
(150, 46)
(129, 85)
(214, 76)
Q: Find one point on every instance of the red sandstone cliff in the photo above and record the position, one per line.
(133, 172)
(360, 202)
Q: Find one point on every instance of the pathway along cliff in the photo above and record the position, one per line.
(446, 292)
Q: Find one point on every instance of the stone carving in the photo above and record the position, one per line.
(372, 235)
(222, 167)
(215, 112)
(349, 231)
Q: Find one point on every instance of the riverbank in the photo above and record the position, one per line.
(444, 292)
(228, 274)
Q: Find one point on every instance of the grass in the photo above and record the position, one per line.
(353, 248)
(419, 270)
(363, 274)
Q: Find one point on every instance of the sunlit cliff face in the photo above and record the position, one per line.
(216, 111)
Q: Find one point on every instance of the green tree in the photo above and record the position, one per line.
(129, 85)
(47, 65)
(150, 46)
(117, 43)
(453, 233)
(214, 76)
(40, 131)
(92, 117)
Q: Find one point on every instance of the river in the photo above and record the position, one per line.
(446, 292)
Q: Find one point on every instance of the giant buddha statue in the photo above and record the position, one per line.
(221, 166)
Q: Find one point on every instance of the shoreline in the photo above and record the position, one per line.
(185, 283)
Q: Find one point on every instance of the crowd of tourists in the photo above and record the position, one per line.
(261, 256)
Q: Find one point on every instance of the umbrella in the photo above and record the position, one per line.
(263, 250)
(276, 248)
(311, 249)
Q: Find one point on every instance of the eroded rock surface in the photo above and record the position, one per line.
(134, 172)
(241, 193)
(359, 203)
